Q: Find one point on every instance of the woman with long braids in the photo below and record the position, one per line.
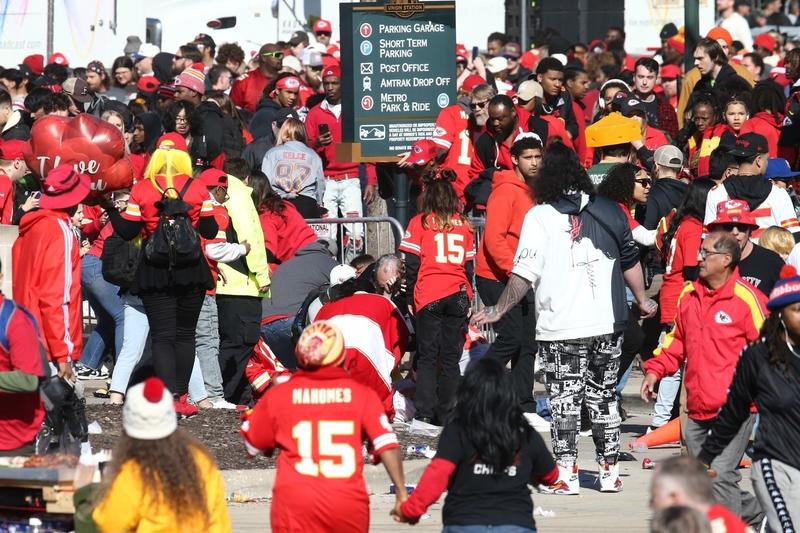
(768, 374)
(487, 455)
(439, 250)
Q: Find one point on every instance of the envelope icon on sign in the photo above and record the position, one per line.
(366, 68)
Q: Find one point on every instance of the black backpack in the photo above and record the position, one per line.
(174, 243)
(120, 260)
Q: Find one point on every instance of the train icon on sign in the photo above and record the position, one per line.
(372, 132)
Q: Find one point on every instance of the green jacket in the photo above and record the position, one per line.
(244, 219)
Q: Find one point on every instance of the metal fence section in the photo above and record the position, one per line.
(381, 235)
(478, 224)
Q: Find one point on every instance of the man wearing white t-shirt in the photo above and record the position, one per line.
(736, 24)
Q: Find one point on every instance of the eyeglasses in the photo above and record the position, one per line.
(277, 54)
(730, 226)
(645, 182)
(705, 253)
(478, 105)
(181, 119)
(177, 57)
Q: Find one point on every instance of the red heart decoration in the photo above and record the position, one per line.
(91, 145)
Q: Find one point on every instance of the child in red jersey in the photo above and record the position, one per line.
(319, 419)
(439, 251)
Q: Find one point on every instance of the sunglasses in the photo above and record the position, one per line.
(730, 226)
(645, 182)
(478, 105)
(276, 54)
(177, 58)
(323, 33)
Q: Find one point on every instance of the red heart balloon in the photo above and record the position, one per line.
(91, 145)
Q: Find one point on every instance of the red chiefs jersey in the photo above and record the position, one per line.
(375, 339)
(319, 421)
(443, 254)
(144, 195)
(454, 132)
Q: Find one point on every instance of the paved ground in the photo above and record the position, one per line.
(590, 511)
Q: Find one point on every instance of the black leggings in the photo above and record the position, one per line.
(172, 315)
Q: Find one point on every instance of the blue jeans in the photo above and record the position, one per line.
(107, 305)
(668, 389)
(134, 339)
(278, 336)
(206, 343)
(487, 529)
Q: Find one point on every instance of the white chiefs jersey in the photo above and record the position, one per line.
(775, 210)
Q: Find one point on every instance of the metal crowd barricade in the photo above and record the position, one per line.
(478, 224)
(382, 235)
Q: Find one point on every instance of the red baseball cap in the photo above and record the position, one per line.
(214, 178)
(15, 149)
(733, 212)
(147, 84)
(35, 62)
(168, 141)
(322, 25)
(423, 151)
(462, 54)
(332, 70)
(670, 72)
(64, 188)
(58, 59)
(765, 41)
(677, 44)
(289, 83)
(470, 82)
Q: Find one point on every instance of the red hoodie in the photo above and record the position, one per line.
(766, 124)
(285, 233)
(508, 203)
(47, 280)
(334, 169)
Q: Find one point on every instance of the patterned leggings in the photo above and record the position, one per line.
(580, 368)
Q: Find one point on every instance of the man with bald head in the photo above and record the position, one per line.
(248, 89)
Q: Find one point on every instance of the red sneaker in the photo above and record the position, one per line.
(183, 408)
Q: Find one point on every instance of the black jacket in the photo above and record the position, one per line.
(777, 397)
(665, 195)
(218, 133)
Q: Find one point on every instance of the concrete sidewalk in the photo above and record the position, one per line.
(589, 511)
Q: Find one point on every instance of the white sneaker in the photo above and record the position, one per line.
(537, 422)
(567, 483)
(609, 478)
(222, 403)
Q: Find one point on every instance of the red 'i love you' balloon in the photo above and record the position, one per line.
(91, 145)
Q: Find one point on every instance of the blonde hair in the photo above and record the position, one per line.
(168, 163)
(777, 239)
(292, 130)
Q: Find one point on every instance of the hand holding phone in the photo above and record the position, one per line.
(325, 138)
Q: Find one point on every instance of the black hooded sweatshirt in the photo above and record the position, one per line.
(666, 195)
(752, 189)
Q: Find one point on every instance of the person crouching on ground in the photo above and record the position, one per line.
(161, 479)
(319, 419)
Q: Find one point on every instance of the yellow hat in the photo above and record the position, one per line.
(613, 129)
(320, 344)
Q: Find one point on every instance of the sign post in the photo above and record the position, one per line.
(398, 72)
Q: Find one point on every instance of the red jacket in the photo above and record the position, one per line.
(508, 203)
(6, 198)
(654, 137)
(334, 169)
(248, 89)
(47, 280)
(766, 124)
(21, 414)
(711, 329)
(682, 253)
(285, 233)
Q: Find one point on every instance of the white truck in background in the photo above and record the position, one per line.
(85, 30)
(79, 29)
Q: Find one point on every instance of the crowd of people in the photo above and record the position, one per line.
(567, 184)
